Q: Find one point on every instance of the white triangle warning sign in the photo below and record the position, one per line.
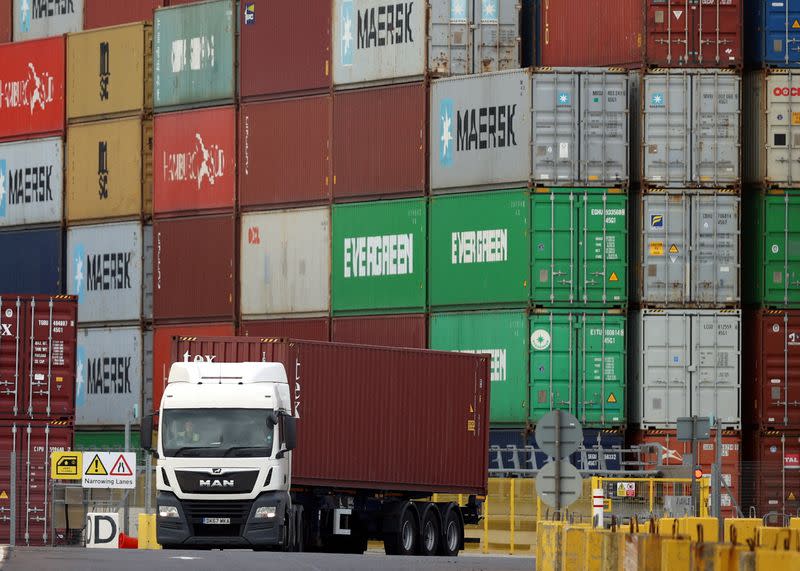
(121, 467)
(96, 467)
(3, 495)
(796, 25)
(678, 14)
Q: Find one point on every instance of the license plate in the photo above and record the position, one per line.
(216, 520)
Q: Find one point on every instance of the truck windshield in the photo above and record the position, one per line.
(217, 432)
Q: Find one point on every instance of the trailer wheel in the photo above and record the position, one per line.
(299, 530)
(430, 531)
(403, 541)
(452, 533)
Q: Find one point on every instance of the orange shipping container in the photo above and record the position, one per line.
(110, 72)
(109, 170)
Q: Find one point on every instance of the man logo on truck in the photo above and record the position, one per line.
(217, 483)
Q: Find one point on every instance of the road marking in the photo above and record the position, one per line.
(185, 557)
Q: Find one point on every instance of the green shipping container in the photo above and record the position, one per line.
(578, 363)
(105, 440)
(772, 248)
(193, 54)
(502, 334)
(479, 249)
(379, 256)
(579, 247)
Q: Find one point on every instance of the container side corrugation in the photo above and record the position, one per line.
(37, 259)
(388, 330)
(377, 385)
(776, 479)
(34, 20)
(105, 13)
(33, 183)
(313, 329)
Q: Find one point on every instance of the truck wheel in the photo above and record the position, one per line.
(452, 534)
(430, 532)
(404, 540)
(299, 530)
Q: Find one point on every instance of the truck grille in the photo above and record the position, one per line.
(204, 483)
(196, 510)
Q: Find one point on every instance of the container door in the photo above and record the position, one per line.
(553, 350)
(716, 28)
(555, 128)
(665, 375)
(555, 234)
(601, 375)
(783, 128)
(715, 128)
(603, 248)
(782, 250)
(715, 250)
(450, 38)
(668, 37)
(9, 443)
(666, 129)
(782, 31)
(716, 354)
(497, 34)
(12, 358)
(665, 252)
(779, 377)
(604, 129)
(777, 478)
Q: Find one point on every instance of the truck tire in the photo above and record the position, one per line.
(403, 541)
(452, 532)
(430, 530)
(299, 530)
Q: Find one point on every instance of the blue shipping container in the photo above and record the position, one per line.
(33, 261)
(772, 33)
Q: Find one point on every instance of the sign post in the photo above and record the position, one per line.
(559, 434)
(693, 429)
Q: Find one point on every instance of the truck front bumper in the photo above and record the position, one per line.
(244, 530)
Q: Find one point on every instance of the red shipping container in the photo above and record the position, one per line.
(373, 445)
(777, 472)
(33, 443)
(641, 33)
(194, 269)
(284, 152)
(309, 329)
(675, 450)
(285, 47)
(38, 339)
(194, 159)
(162, 349)
(380, 141)
(387, 330)
(32, 88)
(104, 13)
(5, 21)
(772, 369)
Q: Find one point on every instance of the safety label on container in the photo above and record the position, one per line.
(612, 399)
(66, 465)
(110, 470)
(656, 248)
(540, 339)
(613, 277)
(795, 118)
(796, 25)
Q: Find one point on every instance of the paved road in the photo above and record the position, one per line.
(80, 559)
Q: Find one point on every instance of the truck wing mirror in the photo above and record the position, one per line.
(272, 418)
(289, 433)
(146, 432)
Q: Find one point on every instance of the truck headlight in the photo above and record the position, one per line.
(265, 511)
(167, 511)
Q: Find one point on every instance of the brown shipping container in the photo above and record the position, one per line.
(5, 21)
(675, 451)
(390, 439)
(119, 80)
(641, 33)
(313, 329)
(285, 152)
(380, 141)
(776, 471)
(772, 369)
(387, 330)
(33, 442)
(285, 47)
(104, 13)
(109, 170)
(194, 269)
(162, 348)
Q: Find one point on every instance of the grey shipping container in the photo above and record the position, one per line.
(32, 182)
(580, 127)
(688, 249)
(110, 269)
(115, 365)
(285, 262)
(377, 41)
(685, 362)
(687, 128)
(43, 18)
(772, 128)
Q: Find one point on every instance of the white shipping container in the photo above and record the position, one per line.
(31, 182)
(772, 128)
(285, 262)
(44, 18)
(685, 362)
(110, 269)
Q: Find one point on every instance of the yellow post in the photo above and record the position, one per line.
(511, 514)
(485, 522)
(651, 494)
(147, 532)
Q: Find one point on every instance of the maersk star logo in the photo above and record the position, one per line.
(80, 381)
(489, 11)
(25, 16)
(657, 100)
(446, 135)
(77, 258)
(458, 10)
(347, 32)
(3, 192)
(563, 98)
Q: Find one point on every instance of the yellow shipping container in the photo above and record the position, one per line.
(109, 170)
(110, 72)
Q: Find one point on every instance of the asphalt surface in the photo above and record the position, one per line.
(81, 559)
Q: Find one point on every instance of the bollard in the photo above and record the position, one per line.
(598, 506)
(147, 532)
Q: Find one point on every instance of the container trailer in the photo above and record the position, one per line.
(275, 443)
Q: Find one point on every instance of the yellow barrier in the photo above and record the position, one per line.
(769, 560)
(778, 538)
(794, 523)
(676, 554)
(742, 528)
(548, 546)
(699, 528)
(147, 532)
(573, 542)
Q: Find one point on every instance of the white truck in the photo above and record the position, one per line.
(247, 459)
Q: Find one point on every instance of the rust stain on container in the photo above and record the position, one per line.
(312, 329)
(405, 330)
